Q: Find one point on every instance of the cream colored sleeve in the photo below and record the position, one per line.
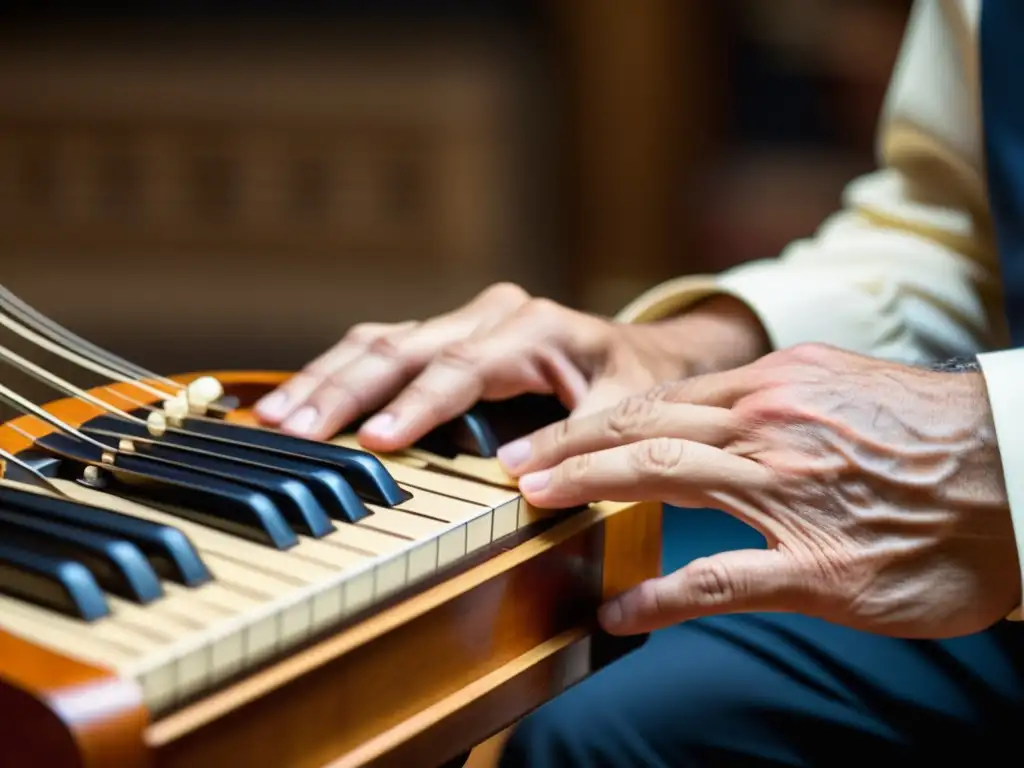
(906, 270)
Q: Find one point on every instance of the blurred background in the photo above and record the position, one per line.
(205, 185)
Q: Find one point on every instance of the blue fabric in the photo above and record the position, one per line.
(1002, 108)
(779, 690)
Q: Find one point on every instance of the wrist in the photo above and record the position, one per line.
(716, 334)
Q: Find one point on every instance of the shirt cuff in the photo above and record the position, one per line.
(1004, 380)
(669, 298)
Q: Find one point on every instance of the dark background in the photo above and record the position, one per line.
(219, 185)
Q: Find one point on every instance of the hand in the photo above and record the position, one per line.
(877, 486)
(501, 344)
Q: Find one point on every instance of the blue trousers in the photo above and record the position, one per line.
(781, 690)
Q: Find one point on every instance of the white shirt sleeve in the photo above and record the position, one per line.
(906, 270)
(1004, 379)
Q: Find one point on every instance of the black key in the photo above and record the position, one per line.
(327, 484)
(488, 425)
(212, 501)
(51, 582)
(295, 501)
(364, 471)
(169, 551)
(469, 434)
(117, 565)
(520, 416)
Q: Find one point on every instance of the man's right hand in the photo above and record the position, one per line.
(503, 343)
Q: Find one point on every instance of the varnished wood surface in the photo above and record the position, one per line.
(338, 699)
(488, 754)
(632, 549)
(415, 684)
(471, 716)
(59, 712)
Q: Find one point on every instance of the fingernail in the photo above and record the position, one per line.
(381, 425)
(535, 481)
(274, 405)
(610, 615)
(302, 420)
(514, 454)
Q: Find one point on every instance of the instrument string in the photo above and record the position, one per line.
(73, 357)
(32, 317)
(157, 422)
(56, 382)
(53, 338)
(20, 403)
(16, 401)
(93, 358)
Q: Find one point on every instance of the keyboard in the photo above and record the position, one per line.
(205, 562)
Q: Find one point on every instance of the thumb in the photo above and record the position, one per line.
(731, 582)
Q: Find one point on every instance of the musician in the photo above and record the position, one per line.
(887, 482)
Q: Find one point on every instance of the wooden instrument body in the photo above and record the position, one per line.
(438, 669)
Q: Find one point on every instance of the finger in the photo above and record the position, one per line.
(731, 582)
(365, 382)
(279, 404)
(369, 368)
(604, 393)
(345, 386)
(356, 342)
(659, 469)
(631, 420)
(528, 352)
(360, 377)
(717, 389)
(568, 383)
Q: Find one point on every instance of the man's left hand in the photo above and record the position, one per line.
(877, 486)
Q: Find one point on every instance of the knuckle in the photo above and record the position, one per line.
(364, 333)
(558, 434)
(662, 456)
(536, 313)
(542, 309)
(333, 394)
(576, 469)
(712, 584)
(386, 347)
(667, 391)
(781, 405)
(463, 354)
(628, 418)
(505, 294)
